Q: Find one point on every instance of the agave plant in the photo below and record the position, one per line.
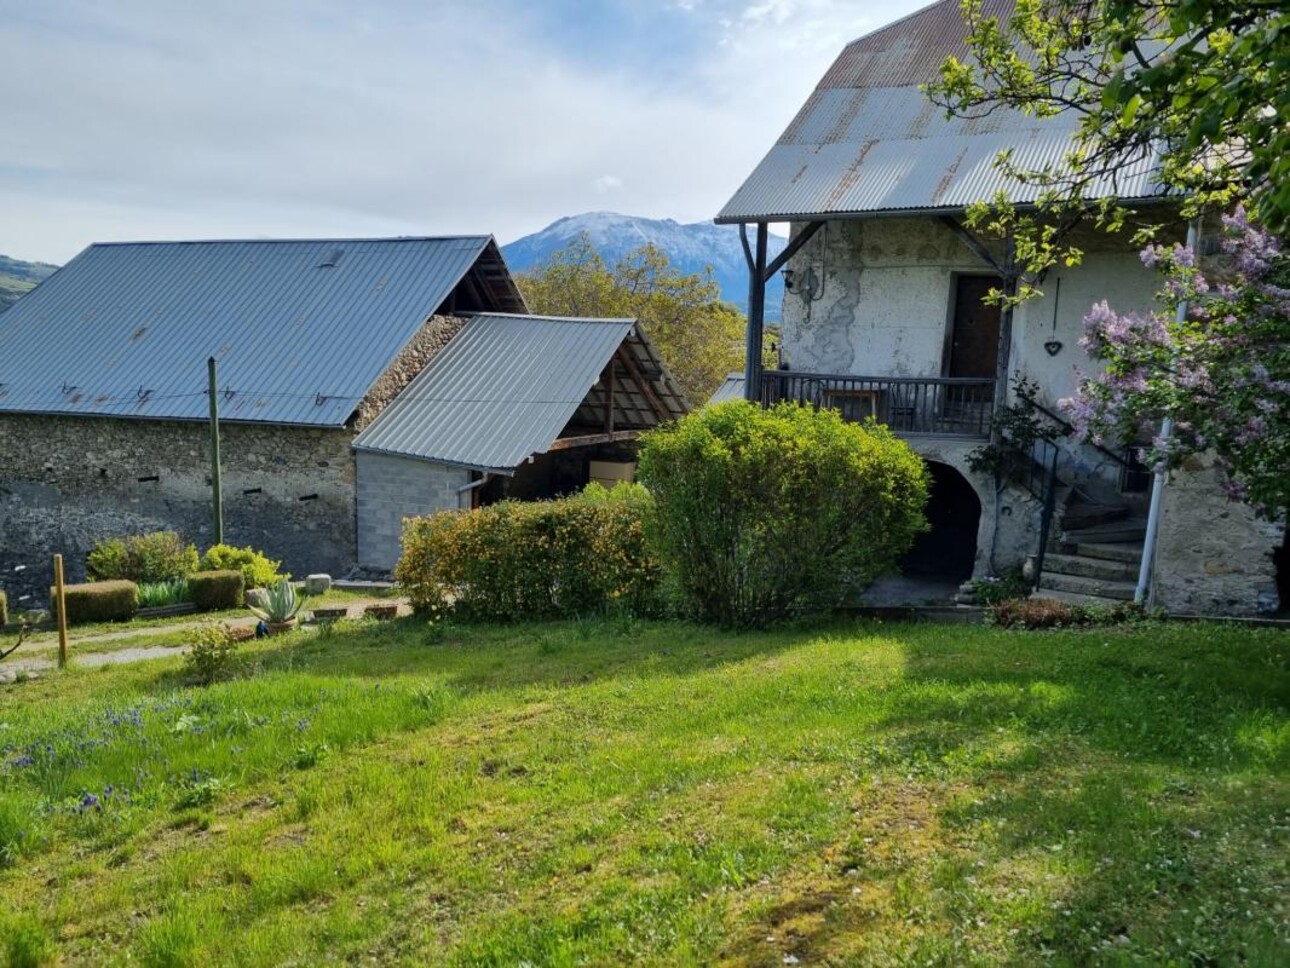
(281, 603)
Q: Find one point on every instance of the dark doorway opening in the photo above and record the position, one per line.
(974, 328)
(948, 550)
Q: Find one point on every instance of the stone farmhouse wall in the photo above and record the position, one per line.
(66, 482)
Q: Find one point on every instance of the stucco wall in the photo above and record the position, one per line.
(66, 482)
(884, 306)
(393, 488)
(1213, 556)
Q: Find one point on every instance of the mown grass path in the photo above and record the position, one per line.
(608, 793)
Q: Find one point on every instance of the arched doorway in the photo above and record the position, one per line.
(948, 550)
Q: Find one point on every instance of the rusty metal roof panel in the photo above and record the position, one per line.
(502, 389)
(868, 141)
(301, 328)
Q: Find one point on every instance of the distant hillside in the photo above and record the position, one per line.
(689, 247)
(17, 278)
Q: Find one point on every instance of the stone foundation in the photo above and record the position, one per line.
(1214, 556)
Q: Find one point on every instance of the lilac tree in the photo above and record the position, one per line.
(1222, 373)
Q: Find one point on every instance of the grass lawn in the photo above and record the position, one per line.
(617, 792)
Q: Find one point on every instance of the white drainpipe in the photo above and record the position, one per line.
(1158, 487)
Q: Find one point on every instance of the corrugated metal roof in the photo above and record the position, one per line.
(868, 141)
(125, 329)
(732, 389)
(506, 386)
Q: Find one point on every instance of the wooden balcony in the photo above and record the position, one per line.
(913, 406)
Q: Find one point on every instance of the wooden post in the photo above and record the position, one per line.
(217, 497)
(61, 601)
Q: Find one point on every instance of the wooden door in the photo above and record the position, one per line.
(974, 333)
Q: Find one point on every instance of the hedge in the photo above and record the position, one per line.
(765, 511)
(258, 570)
(514, 560)
(98, 601)
(211, 590)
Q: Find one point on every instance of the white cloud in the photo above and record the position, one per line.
(238, 118)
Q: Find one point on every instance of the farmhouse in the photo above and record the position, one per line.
(104, 402)
(883, 317)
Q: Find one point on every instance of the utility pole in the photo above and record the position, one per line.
(217, 495)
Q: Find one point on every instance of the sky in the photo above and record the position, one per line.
(169, 119)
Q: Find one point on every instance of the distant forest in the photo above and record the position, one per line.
(17, 278)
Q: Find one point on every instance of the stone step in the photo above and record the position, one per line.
(1131, 529)
(1072, 598)
(1098, 568)
(1128, 552)
(1121, 590)
(1083, 516)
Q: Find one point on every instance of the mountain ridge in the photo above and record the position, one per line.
(689, 246)
(17, 278)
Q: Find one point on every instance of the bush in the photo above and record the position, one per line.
(544, 559)
(1011, 584)
(210, 590)
(159, 594)
(156, 557)
(763, 511)
(99, 601)
(210, 658)
(258, 570)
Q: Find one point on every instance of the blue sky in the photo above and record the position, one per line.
(252, 118)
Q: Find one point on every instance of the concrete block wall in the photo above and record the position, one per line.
(393, 488)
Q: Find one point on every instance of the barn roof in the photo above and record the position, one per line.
(507, 386)
(301, 328)
(869, 142)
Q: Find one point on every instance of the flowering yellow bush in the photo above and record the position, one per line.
(543, 559)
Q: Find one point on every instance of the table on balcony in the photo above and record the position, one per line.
(934, 406)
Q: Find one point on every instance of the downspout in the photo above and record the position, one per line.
(1157, 490)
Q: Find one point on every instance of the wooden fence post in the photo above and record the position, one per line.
(61, 603)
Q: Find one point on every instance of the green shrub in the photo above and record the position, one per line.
(760, 512)
(1011, 584)
(258, 570)
(543, 559)
(211, 590)
(160, 594)
(98, 601)
(211, 656)
(156, 557)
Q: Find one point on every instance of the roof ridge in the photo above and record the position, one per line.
(372, 238)
(521, 317)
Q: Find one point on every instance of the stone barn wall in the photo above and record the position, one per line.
(66, 482)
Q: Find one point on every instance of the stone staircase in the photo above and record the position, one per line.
(1094, 557)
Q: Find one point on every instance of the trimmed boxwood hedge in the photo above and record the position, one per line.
(211, 590)
(98, 601)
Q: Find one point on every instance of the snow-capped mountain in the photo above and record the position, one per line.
(689, 247)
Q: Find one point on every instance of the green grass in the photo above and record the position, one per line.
(611, 792)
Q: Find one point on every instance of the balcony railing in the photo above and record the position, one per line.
(940, 406)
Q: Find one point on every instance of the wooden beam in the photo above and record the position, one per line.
(609, 395)
(973, 243)
(590, 440)
(647, 388)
